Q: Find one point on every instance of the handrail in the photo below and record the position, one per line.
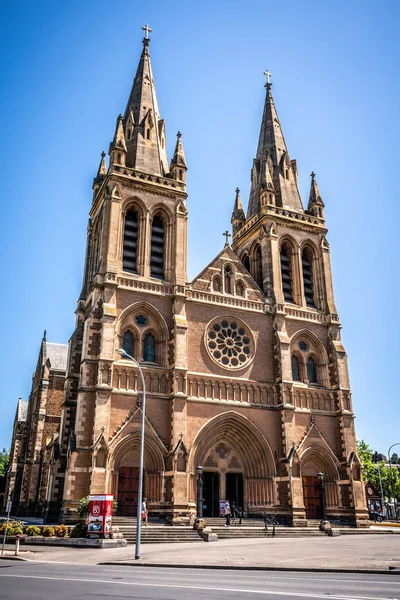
(238, 512)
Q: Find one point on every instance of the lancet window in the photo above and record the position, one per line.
(246, 261)
(128, 342)
(295, 368)
(149, 348)
(228, 279)
(257, 267)
(286, 272)
(312, 370)
(130, 241)
(157, 247)
(306, 261)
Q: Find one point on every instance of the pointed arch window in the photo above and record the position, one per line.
(295, 368)
(157, 247)
(307, 266)
(128, 342)
(240, 288)
(130, 242)
(217, 284)
(258, 276)
(312, 370)
(286, 272)
(149, 348)
(228, 279)
(246, 262)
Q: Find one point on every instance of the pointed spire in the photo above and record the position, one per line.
(272, 167)
(101, 173)
(238, 217)
(315, 203)
(119, 136)
(178, 165)
(145, 131)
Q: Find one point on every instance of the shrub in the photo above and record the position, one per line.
(61, 531)
(14, 528)
(48, 531)
(79, 531)
(83, 507)
(33, 531)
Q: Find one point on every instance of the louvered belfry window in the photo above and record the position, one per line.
(286, 271)
(306, 261)
(258, 275)
(130, 242)
(157, 248)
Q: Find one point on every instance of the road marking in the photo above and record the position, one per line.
(256, 574)
(199, 588)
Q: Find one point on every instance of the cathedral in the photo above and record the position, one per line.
(244, 369)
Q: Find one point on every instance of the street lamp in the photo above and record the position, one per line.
(199, 473)
(391, 477)
(321, 478)
(382, 496)
(124, 354)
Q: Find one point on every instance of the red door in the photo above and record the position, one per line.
(128, 483)
(312, 497)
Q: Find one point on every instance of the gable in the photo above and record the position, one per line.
(204, 281)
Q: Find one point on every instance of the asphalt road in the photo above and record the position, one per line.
(56, 581)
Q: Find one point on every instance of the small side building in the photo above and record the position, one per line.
(15, 468)
(36, 428)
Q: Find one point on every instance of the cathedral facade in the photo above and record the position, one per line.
(244, 368)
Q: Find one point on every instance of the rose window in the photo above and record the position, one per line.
(229, 343)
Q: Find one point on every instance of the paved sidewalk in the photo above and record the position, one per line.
(349, 553)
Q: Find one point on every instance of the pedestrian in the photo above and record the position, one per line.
(145, 512)
(227, 513)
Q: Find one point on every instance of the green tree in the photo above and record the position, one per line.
(4, 460)
(395, 459)
(390, 476)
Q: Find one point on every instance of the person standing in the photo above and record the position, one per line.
(227, 513)
(145, 512)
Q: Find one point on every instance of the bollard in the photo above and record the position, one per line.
(273, 530)
(17, 538)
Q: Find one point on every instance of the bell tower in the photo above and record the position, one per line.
(285, 248)
(134, 279)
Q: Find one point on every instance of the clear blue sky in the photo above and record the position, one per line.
(67, 72)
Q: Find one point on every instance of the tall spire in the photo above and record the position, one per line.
(272, 167)
(144, 129)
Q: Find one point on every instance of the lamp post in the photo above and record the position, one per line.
(391, 477)
(199, 472)
(124, 354)
(321, 478)
(382, 496)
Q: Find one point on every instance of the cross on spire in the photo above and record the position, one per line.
(227, 236)
(313, 175)
(146, 29)
(268, 74)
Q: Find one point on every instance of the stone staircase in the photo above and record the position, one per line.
(156, 532)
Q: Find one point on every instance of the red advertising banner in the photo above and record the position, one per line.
(100, 516)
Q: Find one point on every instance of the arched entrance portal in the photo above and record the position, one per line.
(126, 473)
(317, 460)
(237, 462)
